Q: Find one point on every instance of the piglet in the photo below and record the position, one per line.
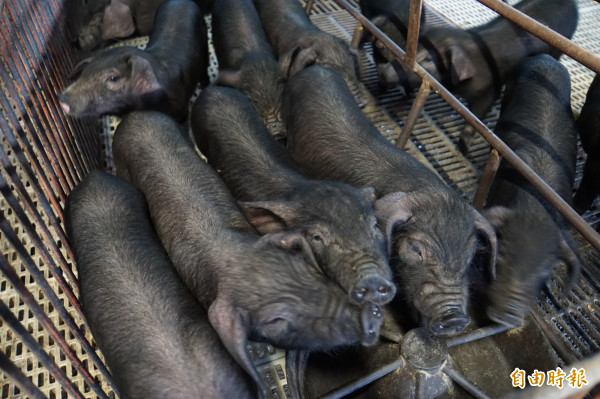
(163, 77)
(536, 121)
(247, 61)
(260, 288)
(337, 220)
(105, 20)
(475, 63)
(154, 334)
(432, 232)
(299, 43)
(589, 131)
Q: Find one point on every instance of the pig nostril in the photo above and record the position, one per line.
(376, 312)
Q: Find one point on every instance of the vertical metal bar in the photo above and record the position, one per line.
(23, 51)
(309, 6)
(357, 35)
(361, 382)
(412, 38)
(489, 172)
(35, 347)
(566, 46)
(413, 115)
(48, 79)
(24, 383)
(561, 206)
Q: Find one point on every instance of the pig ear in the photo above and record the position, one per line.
(486, 230)
(570, 255)
(232, 328)
(461, 67)
(297, 59)
(393, 210)
(79, 67)
(230, 78)
(293, 243)
(267, 216)
(117, 21)
(497, 215)
(143, 78)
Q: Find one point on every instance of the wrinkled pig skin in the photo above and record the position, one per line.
(537, 123)
(476, 62)
(432, 232)
(589, 131)
(100, 21)
(299, 43)
(162, 77)
(247, 61)
(264, 288)
(338, 220)
(154, 334)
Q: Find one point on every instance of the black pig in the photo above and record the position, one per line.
(163, 77)
(260, 288)
(476, 62)
(154, 334)
(337, 220)
(432, 230)
(589, 130)
(299, 43)
(247, 61)
(105, 20)
(536, 121)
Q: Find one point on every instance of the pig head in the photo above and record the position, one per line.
(262, 288)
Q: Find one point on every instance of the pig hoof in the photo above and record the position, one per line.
(508, 318)
(373, 289)
(451, 322)
(372, 318)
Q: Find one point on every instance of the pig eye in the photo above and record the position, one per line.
(417, 249)
(113, 78)
(317, 238)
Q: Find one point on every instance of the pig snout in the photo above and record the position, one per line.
(371, 317)
(451, 322)
(372, 287)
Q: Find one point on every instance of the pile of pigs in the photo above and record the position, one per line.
(306, 225)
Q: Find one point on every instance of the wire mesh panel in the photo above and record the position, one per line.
(46, 349)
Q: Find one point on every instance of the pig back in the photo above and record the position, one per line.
(589, 120)
(237, 31)
(330, 137)
(154, 335)
(537, 122)
(283, 21)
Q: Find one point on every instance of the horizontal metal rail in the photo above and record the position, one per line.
(565, 209)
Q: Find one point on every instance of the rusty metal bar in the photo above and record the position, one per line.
(489, 172)
(24, 383)
(569, 214)
(546, 34)
(413, 115)
(35, 347)
(412, 38)
(361, 382)
(357, 35)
